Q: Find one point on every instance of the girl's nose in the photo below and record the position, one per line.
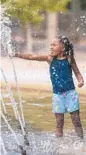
(51, 49)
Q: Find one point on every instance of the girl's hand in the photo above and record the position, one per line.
(80, 84)
(11, 55)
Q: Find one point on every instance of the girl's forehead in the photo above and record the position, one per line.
(55, 41)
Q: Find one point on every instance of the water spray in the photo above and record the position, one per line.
(20, 103)
(3, 105)
(6, 42)
(10, 94)
(15, 109)
(3, 146)
(17, 85)
(23, 152)
(19, 94)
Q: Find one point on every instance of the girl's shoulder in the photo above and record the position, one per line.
(50, 58)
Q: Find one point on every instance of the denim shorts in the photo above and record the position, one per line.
(65, 102)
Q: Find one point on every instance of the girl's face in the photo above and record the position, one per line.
(56, 48)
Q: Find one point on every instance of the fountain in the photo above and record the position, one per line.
(23, 152)
(3, 146)
(7, 46)
(39, 143)
(3, 105)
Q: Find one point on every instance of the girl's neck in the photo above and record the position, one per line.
(60, 57)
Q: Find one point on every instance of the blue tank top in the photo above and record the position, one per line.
(61, 75)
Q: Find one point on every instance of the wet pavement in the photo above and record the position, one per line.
(46, 143)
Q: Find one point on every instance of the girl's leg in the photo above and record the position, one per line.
(77, 123)
(59, 124)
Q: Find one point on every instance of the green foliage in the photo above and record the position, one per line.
(32, 10)
(83, 4)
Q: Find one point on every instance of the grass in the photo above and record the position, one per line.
(40, 115)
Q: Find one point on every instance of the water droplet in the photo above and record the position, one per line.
(77, 29)
(84, 34)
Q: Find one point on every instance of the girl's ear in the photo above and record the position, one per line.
(62, 47)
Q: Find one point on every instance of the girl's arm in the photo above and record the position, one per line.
(77, 73)
(34, 57)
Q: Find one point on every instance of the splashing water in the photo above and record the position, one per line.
(5, 37)
(45, 143)
(6, 45)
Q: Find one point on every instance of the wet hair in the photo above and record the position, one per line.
(68, 47)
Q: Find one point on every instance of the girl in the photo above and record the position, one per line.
(65, 98)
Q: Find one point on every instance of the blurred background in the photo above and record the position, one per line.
(36, 34)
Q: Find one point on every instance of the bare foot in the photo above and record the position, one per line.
(59, 132)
